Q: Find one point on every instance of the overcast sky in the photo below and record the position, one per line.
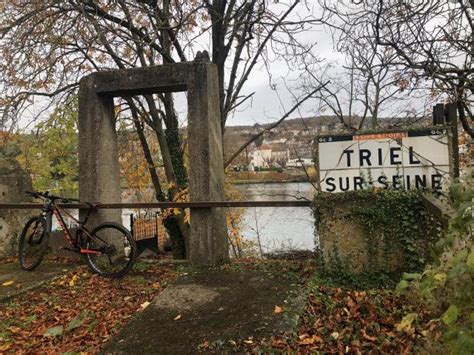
(266, 105)
(269, 105)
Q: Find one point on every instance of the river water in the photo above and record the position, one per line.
(279, 228)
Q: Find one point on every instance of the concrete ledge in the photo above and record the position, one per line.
(24, 281)
(438, 209)
(374, 232)
(209, 305)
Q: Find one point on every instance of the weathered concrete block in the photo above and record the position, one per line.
(209, 243)
(99, 169)
(365, 232)
(14, 181)
(343, 237)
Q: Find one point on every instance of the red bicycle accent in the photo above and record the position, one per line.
(109, 249)
(88, 251)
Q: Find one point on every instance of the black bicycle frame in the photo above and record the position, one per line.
(50, 209)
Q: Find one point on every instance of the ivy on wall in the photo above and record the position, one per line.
(393, 220)
(402, 219)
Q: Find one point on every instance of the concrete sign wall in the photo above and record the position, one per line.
(406, 159)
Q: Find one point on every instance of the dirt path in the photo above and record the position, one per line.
(206, 307)
(14, 281)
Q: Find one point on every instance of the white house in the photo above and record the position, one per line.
(280, 154)
(261, 156)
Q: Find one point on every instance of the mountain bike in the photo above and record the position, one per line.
(109, 249)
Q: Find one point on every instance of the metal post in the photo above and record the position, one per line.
(439, 115)
(452, 121)
(157, 235)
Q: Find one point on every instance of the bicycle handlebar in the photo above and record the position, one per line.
(53, 198)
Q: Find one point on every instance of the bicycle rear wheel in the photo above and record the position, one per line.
(33, 243)
(111, 250)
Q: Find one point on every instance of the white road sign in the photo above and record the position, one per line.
(409, 159)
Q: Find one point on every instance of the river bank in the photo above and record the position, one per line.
(270, 177)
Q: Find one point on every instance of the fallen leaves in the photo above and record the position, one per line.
(14, 330)
(367, 337)
(73, 280)
(78, 320)
(5, 347)
(355, 319)
(54, 331)
(8, 283)
(349, 321)
(77, 312)
(305, 339)
(144, 305)
(406, 322)
(82, 318)
(278, 309)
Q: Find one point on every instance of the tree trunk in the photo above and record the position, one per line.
(149, 159)
(175, 225)
(174, 142)
(177, 228)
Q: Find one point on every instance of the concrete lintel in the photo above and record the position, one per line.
(148, 80)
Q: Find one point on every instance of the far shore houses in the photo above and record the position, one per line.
(278, 154)
(287, 146)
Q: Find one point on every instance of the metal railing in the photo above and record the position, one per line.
(138, 205)
(148, 234)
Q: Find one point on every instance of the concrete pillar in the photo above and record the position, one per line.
(99, 169)
(14, 181)
(208, 243)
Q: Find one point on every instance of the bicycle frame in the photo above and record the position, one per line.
(109, 258)
(50, 209)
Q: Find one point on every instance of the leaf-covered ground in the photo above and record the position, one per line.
(339, 320)
(79, 311)
(348, 321)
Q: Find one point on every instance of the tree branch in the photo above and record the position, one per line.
(261, 133)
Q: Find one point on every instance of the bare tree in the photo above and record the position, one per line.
(433, 40)
(46, 46)
(369, 85)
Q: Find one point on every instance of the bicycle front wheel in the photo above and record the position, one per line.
(110, 250)
(33, 243)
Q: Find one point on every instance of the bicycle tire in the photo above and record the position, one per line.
(113, 232)
(28, 243)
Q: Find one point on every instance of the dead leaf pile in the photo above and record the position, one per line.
(349, 321)
(78, 312)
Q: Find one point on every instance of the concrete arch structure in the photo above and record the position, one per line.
(99, 172)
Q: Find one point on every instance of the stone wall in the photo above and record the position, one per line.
(14, 181)
(357, 235)
(342, 236)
